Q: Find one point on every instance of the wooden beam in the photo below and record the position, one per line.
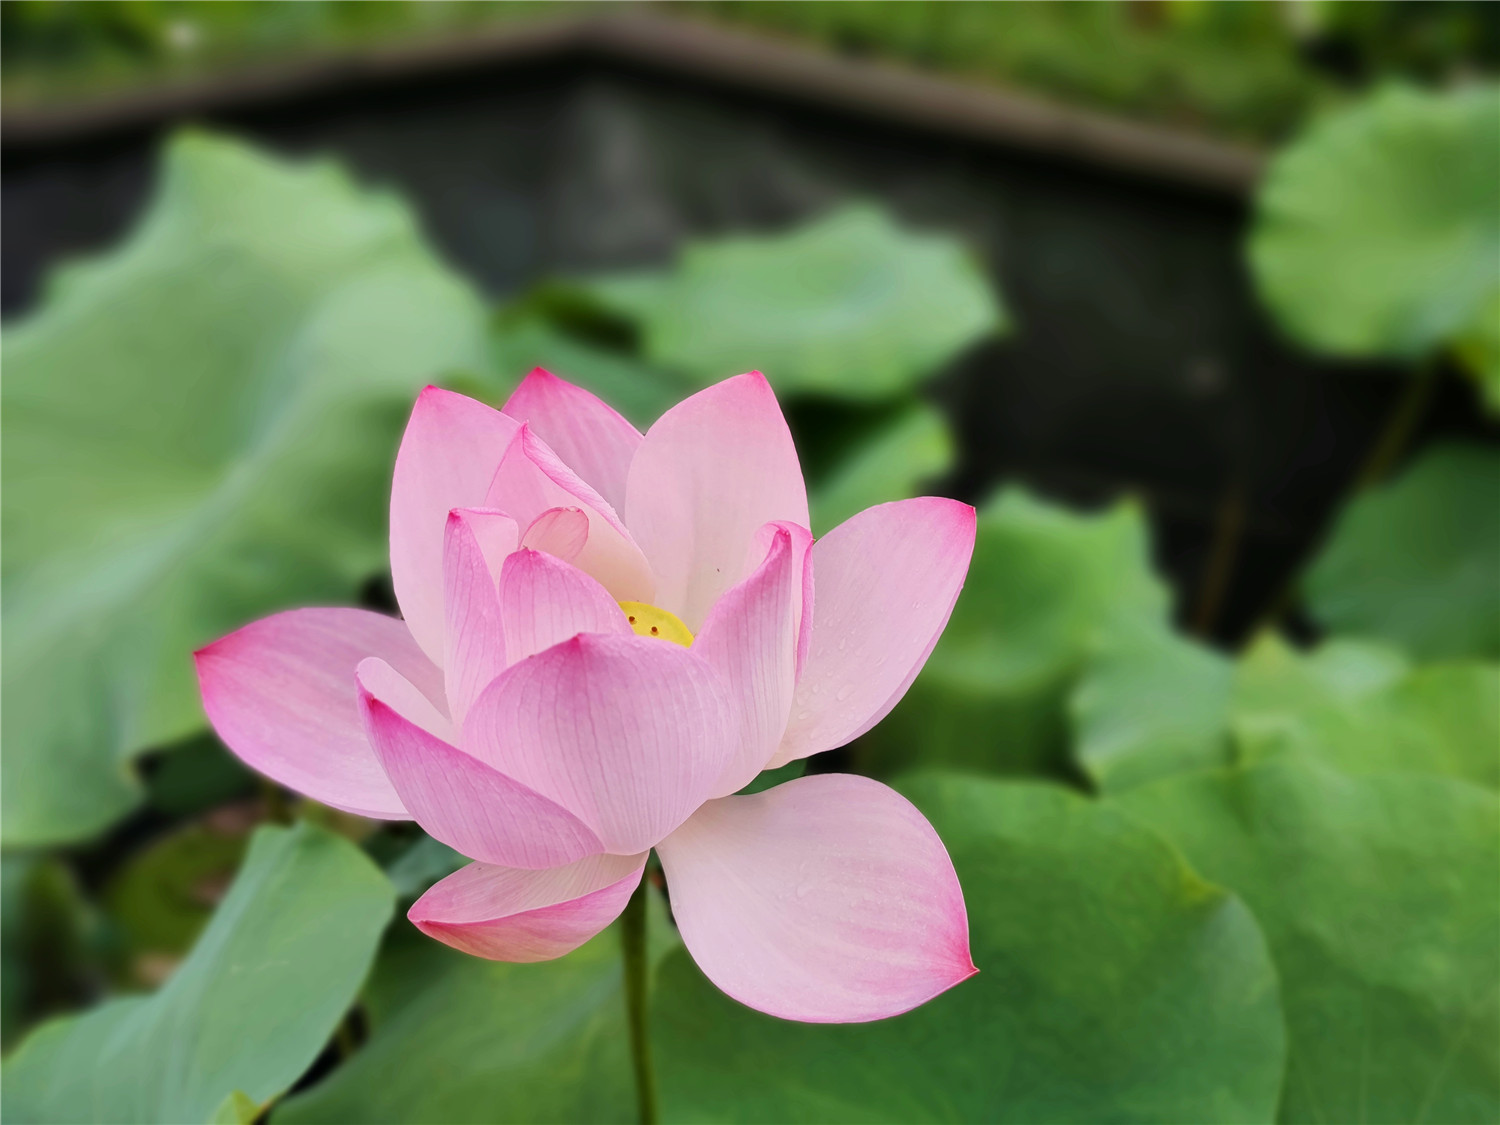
(710, 55)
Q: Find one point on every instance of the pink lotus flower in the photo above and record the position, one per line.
(533, 711)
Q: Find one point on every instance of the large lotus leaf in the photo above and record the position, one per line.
(457, 1039)
(1114, 985)
(1045, 587)
(892, 463)
(1450, 715)
(199, 429)
(1377, 895)
(249, 1009)
(1150, 703)
(1378, 232)
(849, 306)
(1359, 707)
(1327, 688)
(1415, 561)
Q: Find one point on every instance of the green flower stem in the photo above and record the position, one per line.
(637, 998)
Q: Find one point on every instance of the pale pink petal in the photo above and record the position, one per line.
(474, 647)
(886, 581)
(563, 532)
(448, 457)
(462, 801)
(280, 692)
(495, 532)
(543, 601)
(708, 475)
(375, 677)
(530, 480)
(751, 638)
(510, 914)
(828, 899)
(802, 541)
(629, 733)
(591, 438)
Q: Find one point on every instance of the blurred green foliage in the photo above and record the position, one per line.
(1377, 896)
(181, 457)
(1378, 231)
(1248, 70)
(50, 938)
(248, 1011)
(160, 900)
(1047, 586)
(1415, 561)
(1202, 886)
(460, 1040)
(99, 46)
(1149, 703)
(1363, 708)
(849, 306)
(896, 459)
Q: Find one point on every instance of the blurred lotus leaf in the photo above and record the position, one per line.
(1114, 985)
(248, 1010)
(1046, 585)
(1377, 895)
(161, 899)
(422, 864)
(1415, 561)
(15, 877)
(849, 306)
(237, 1109)
(197, 775)
(199, 429)
(522, 338)
(457, 1039)
(50, 940)
(1360, 708)
(1150, 703)
(1378, 232)
(1478, 350)
(892, 463)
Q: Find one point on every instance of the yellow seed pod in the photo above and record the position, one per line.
(649, 621)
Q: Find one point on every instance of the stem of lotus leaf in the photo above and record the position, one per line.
(637, 1000)
(1400, 426)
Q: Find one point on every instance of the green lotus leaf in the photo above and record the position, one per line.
(1149, 703)
(1377, 895)
(199, 428)
(1361, 708)
(1378, 231)
(1414, 561)
(848, 306)
(247, 1012)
